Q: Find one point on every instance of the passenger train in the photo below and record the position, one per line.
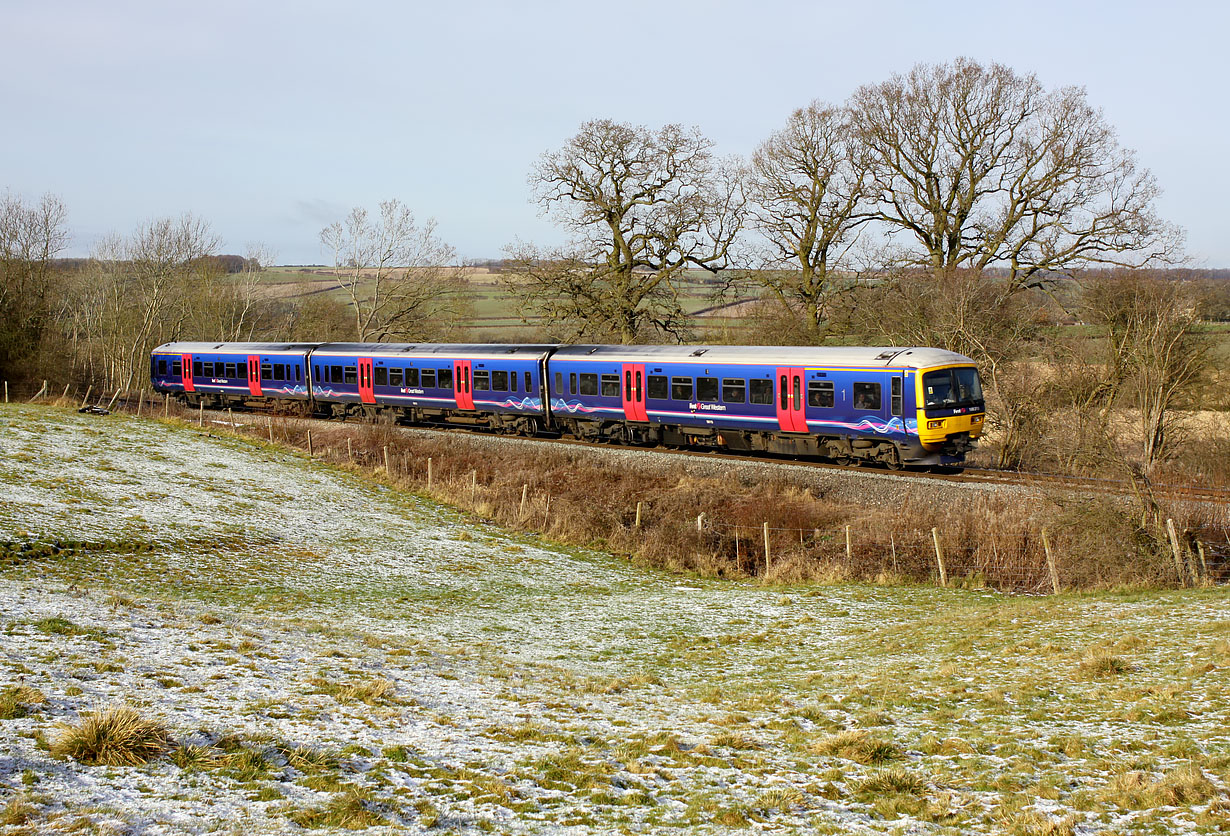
(899, 407)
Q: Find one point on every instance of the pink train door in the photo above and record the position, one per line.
(634, 392)
(367, 393)
(254, 375)
(791, 415)
(461, 384)
(187, 373)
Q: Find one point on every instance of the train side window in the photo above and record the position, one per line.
(444, 379)
(381, 375)
(298, 373)
(196, 368)
(734, 390)
(162, 367)
(867, 396)
(761, 391)
(559, 383)
(657, 387)
(279, 371)
(681, 388)
(177, 368)
(572, 383)
(207, 369)
(589, 384)
(529, 383)
(429, 377)
(228, 370)
(335, 374)
(395, 377)
(499, 381)
(610, 386)
(820, 393)
(350, 374)
(707, 389)
(512, 380)
(316, 373)
(482, 381)
(266, 371)
(896, 396)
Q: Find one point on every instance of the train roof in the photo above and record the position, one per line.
(450, 349)
(232, 348)
(889, 357)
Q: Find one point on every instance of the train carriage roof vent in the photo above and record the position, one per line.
(592, 350)
(699, 352)
(886, 356)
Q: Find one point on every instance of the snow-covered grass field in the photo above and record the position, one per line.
(327, 651)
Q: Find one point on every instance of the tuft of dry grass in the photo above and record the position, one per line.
(859, 746)
(1102, 663)
(115, 736)
(15, 701)
(1135, 790)
(350, 810)
(371, 692)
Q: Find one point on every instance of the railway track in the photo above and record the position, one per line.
(978, 476)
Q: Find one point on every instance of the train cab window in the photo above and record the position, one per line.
(207, 369)
(589, 384)
(707, 389)
(499, 381)
(279, 371)
(896, 396)
(820, 393)
(610, 386)
(196, 368)
(444, 378)
(681, 388)
(760, 391)
(380, 376)
(734, 390)
(867, 396)
(656, 387)
(482, 381)
(559, 383)
(529, 383)
(572, 383)
(176, 368)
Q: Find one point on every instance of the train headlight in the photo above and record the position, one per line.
(977, 419)
(935, 425)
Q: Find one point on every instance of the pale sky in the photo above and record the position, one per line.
(272, 119)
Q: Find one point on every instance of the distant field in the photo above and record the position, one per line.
(327, 652)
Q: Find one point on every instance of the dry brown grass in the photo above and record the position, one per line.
(859, 746)
(115, 736)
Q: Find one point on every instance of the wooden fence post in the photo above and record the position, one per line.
(6, 391)
(388, 471)
(738, 558)
(270, 429)
(63, 397)
(200, 413)
(892, 544)
(939, 556)
(1050, 562)
(766, 549)
(1204, 565)
(230, 413)
(429, 473)
(849, 549)
(1178, 552)
(166, 405)
(140, 399)
(546, 512)
(700, 522)
(310, 451)
(525, 494)
(637, 524)
(473, 485)
(349, 451)
(86, 399)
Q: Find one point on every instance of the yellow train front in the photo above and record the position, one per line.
(951, 410)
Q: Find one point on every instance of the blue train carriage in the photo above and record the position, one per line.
(231, 374)
(848, 404)
(496, 386)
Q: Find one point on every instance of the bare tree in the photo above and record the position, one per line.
(980, 167)
(807, 190)
(31, 236)
(642, 207)
(399, 275)
(1153, 351)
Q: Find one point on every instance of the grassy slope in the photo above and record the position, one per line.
(529, 687)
